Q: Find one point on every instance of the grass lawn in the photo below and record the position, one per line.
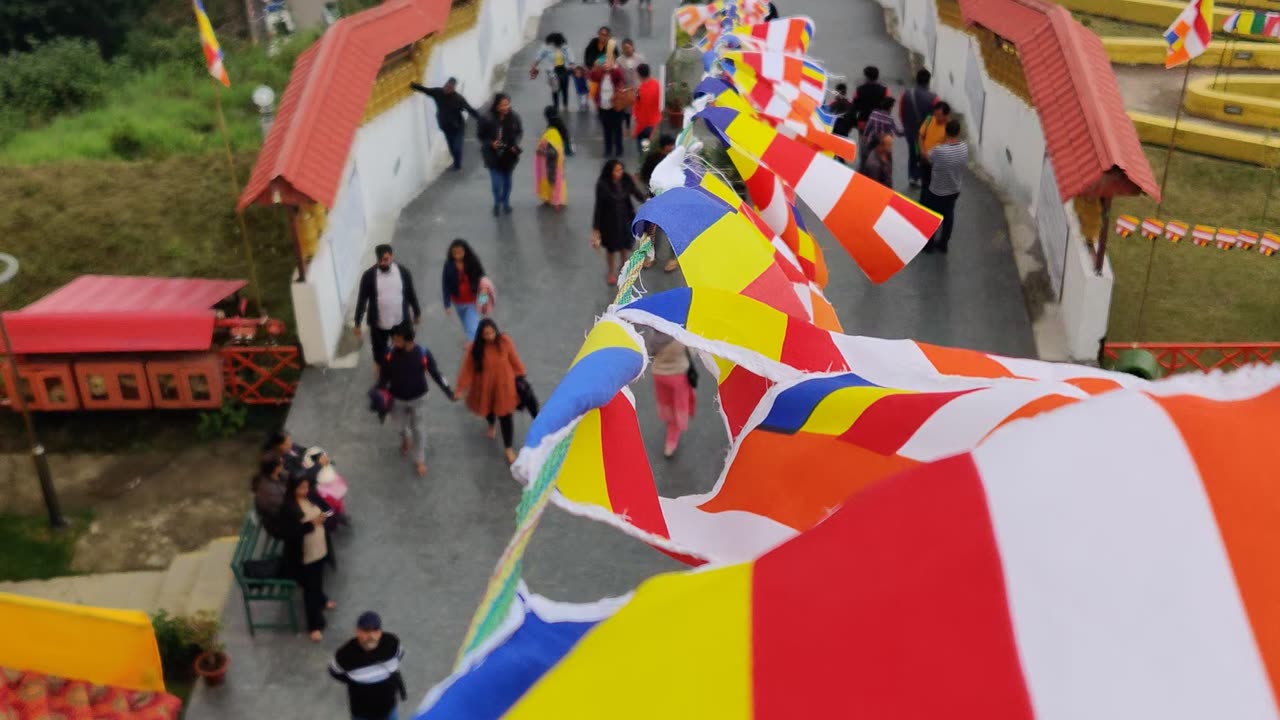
(1199, 294)
(165, 111)
(172, 217)
(33, 551)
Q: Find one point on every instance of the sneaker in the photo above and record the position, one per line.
(496, 210)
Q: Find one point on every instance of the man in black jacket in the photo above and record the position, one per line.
(369, 665)
(386, 290)
(868, 97)
(449, 108)
(404, 375)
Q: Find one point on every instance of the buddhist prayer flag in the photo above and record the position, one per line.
(1176, 230)
(209, 43)
(1189, 35)
(787, 35)
(1253, 22)
(1152, 228)
(881, 229)
(957, 574)
(1269, 244)
(1126, 225)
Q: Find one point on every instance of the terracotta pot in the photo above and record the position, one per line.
(675, 119)
(212, 667)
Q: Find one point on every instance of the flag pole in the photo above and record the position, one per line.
(235, 194)
(1164, 185)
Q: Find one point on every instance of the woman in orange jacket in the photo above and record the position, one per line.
(490, 368)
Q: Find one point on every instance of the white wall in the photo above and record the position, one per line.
(392, 160)
(1008, 145)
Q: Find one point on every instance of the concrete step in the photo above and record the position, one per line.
(213, 579)
(179, 579)
(126, 591)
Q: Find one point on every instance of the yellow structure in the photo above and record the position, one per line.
(97, 645)
(1249, 100)
(1240, 54)
(1155, 13)
(1205, 139)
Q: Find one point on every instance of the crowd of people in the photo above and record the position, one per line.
(298, 494)
(937, 153)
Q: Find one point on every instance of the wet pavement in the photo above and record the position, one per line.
(422, 550)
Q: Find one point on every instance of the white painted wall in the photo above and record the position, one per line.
(1008, 145)
(392, 160)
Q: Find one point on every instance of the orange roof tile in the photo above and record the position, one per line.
(306, 150)
(1093, 144)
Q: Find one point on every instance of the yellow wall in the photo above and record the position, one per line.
(1156, 13)
(1151, 51)
(101, 646)
(1207, 139)
(1241, 102)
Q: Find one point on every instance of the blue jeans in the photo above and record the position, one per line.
(500, 184)
(454, 139)
(395, 715)
(469, 316)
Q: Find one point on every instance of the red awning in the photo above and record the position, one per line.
(104, 313)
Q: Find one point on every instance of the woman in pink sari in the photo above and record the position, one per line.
(674, 377)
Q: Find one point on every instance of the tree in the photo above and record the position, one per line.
(104, 22)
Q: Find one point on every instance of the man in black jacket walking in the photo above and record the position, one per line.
(449, 108)
(386, 290)
(404, 375)
(369, 664)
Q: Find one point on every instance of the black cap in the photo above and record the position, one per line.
(369, 620)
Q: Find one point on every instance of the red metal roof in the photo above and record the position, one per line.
(1093, 144)
(105, 313)
(306, 150)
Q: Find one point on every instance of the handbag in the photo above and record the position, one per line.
(528, 401)
(692, 372)
(262, 569)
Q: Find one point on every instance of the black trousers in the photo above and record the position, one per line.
(508, 428)
(560, 93)
(944, 205)
(611, 123)
(313, 597)
(926, 175)
(380, 342)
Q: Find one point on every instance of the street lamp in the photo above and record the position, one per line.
(9, 269)
(265, 98)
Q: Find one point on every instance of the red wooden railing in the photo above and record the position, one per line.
(261, 374)
(1205, 357)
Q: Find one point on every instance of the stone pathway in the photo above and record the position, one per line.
(422, 549)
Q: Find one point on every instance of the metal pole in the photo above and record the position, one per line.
(1102, 236)
(37, 450)
(235, 194)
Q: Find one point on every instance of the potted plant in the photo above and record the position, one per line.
(212, 661)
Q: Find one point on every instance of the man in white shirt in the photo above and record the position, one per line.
(386, 291)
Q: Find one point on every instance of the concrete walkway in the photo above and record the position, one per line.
(422, 550)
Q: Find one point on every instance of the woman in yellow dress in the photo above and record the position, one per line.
(548, 170)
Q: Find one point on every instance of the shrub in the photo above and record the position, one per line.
(180, 638)
(225, 422)
(126, 142)
(63, 75)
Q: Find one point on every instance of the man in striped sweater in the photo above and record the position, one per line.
(369, 664)
(949, 160)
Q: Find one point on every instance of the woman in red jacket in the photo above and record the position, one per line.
(611, 98)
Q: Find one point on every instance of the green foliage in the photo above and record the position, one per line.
(63, 75)
(181, 638)
(160, 104)
(225, 422)
(33, 550)
(104, 23)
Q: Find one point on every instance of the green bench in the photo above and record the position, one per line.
(256, 545)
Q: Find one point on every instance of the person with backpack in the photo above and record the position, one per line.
(868, 96)
(500, 136)
(611, 104)
(555, 54)
(404, 376)
(917, 104)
